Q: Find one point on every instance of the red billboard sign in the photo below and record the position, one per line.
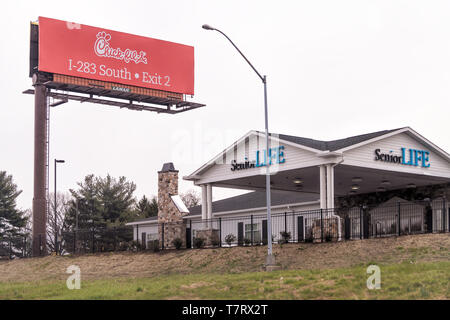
(100, 54)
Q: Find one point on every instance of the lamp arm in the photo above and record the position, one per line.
(254, 69)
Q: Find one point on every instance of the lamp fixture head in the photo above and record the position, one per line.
(385, 182)
(381, 189)
(207, 27)
(297, 181)
(357, 179)
(355, 187)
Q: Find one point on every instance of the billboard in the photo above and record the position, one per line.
(100, 54)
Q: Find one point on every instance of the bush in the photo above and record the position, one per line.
(215, 243)
(178, 243)
(198, 242)
(230, 238)
(155, 245)
(135, 245)
(285, 237)
(328, 237)
(247, 241)
(309, 237)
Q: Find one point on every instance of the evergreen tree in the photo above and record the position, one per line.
(101, 202)
(12, 220)
(146, 208)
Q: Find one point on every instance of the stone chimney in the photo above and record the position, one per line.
(167, 186)
(169, 216)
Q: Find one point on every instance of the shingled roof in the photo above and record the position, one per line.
(257, 199)
(334, 144)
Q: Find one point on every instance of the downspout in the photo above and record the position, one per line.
(333, 214)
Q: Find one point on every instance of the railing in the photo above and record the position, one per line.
(318, 225)
(15, 247)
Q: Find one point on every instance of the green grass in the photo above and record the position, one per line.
(398, 281)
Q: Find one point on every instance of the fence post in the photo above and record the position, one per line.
(285, 222)
(74, 241)
(443, 215)
(399, 220)
(220, 231)
(361, 224)
(192, 232)
(321, 225)
(162, 236)
(251, 229)
(40, 244)
(93, 250)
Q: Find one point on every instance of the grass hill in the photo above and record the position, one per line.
(412, 267)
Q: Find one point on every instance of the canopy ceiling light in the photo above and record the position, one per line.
(357, 179)
(355, 187)
(297, 180)
(385, 182)
(381, 189)
(411, 185)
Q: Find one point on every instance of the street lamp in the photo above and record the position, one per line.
(55, 222)
(270, 260)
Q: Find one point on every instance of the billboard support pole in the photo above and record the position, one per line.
(40, 168)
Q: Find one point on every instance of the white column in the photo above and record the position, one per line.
(204, 202)
(209, 203)
(323, 187)
(330, 186)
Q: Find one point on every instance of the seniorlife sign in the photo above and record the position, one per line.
(276, 155)
(101, 54)
(409, 157)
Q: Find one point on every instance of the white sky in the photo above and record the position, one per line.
(335, 69)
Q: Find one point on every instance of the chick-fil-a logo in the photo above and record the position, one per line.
(103, 49)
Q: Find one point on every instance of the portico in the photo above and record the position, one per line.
(327, 169)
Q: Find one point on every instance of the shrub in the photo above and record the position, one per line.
(215, 243)
(328, 237)
(309, 237)
(230, 238)
(135, 245)
(247, 241)
(198, 242)
(177, 242)
(285, 237)
(155, 245)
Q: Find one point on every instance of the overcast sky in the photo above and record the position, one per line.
(335, 69)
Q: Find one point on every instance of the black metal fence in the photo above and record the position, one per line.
(15, 247)
(323, 225)
(319, 225)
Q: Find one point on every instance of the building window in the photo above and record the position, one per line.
(152, 236)
(256, 232)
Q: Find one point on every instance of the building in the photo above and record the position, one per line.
(376, 184)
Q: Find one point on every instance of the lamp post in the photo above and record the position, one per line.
(270, 260)
(55, 222)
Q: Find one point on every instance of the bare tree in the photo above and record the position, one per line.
(62, 207)
(191, 198)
